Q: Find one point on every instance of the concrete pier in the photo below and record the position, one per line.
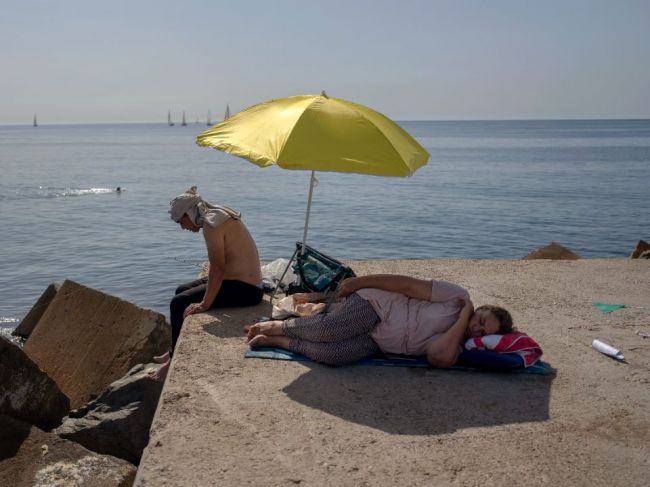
(227, 420)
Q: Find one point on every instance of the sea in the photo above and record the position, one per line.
(491, 190)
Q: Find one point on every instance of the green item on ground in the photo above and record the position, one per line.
(608, 308)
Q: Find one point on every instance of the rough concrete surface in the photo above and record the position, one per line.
(87, 339)
(227, 420)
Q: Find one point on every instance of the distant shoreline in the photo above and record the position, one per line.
(399, 120)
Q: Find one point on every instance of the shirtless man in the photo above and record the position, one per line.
(234, 276)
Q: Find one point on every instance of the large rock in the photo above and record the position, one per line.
(553, 251)
(30, 457)
(641, 247)
(87, 339)
(30, 320)
(117, 422)
(26, 392)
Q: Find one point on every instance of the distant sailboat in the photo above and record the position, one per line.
(35, 122)
(227, 115)
(209, 123)
(169, 119)
(184, 123)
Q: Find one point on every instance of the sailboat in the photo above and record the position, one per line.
(184, 123)
(209, 122)
(227, 114)
(35, 122)
(169, 119)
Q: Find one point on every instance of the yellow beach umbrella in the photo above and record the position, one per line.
(318, 133)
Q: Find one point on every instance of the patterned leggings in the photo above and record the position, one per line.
(336, 338)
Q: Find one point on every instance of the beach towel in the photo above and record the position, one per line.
(477, 361)
(511, 343)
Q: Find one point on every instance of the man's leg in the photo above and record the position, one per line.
(178, 305)
(186, 294)
(189, 285)
(237, 294)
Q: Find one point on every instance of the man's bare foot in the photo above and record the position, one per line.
(160, 373)
(268, 328)
(161, 359)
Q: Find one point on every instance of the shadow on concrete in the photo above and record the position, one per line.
(410, 401)
(229, 323)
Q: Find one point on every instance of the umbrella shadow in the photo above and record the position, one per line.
(412, 401)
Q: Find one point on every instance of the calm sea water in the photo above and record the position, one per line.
(491, 190)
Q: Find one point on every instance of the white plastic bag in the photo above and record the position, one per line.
(272, 272)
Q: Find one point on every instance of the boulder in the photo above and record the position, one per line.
(641, 247)
(645, 254)
(30, 320)
(553, 251)
(26, 392)
(87, 339)
(117, 422)
(30, 457)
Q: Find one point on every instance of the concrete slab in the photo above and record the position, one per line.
(226, 420)
(30, 320)
(87, 339)
(26, 392)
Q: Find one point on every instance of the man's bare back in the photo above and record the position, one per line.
(240, 257)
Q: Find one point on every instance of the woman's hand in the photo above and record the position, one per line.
(195, 308)
(347, 287)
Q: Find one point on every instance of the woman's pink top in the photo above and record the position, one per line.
(408, 325)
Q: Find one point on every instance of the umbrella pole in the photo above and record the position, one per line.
(312, 181)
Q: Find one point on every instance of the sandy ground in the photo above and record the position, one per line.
(226, 420)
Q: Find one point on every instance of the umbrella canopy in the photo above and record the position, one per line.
(318, 133)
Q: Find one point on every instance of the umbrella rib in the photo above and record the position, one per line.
(232, 149)
(295, 124)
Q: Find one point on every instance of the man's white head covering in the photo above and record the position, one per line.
(199, 210)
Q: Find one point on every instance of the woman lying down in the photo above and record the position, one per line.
(390, 314)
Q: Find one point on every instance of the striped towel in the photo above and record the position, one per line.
(519, 343)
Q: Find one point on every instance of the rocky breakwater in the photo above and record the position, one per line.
(84, 349)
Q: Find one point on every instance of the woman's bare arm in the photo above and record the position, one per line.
(409, 286)
(443, 351)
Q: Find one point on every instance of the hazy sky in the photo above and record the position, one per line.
(85, 61)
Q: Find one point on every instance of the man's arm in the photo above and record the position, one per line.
(409, 286)
(444, 350)
(215, 242)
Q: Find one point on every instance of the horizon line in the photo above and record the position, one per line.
(462, 119)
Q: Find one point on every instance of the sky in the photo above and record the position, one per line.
(129, 61)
